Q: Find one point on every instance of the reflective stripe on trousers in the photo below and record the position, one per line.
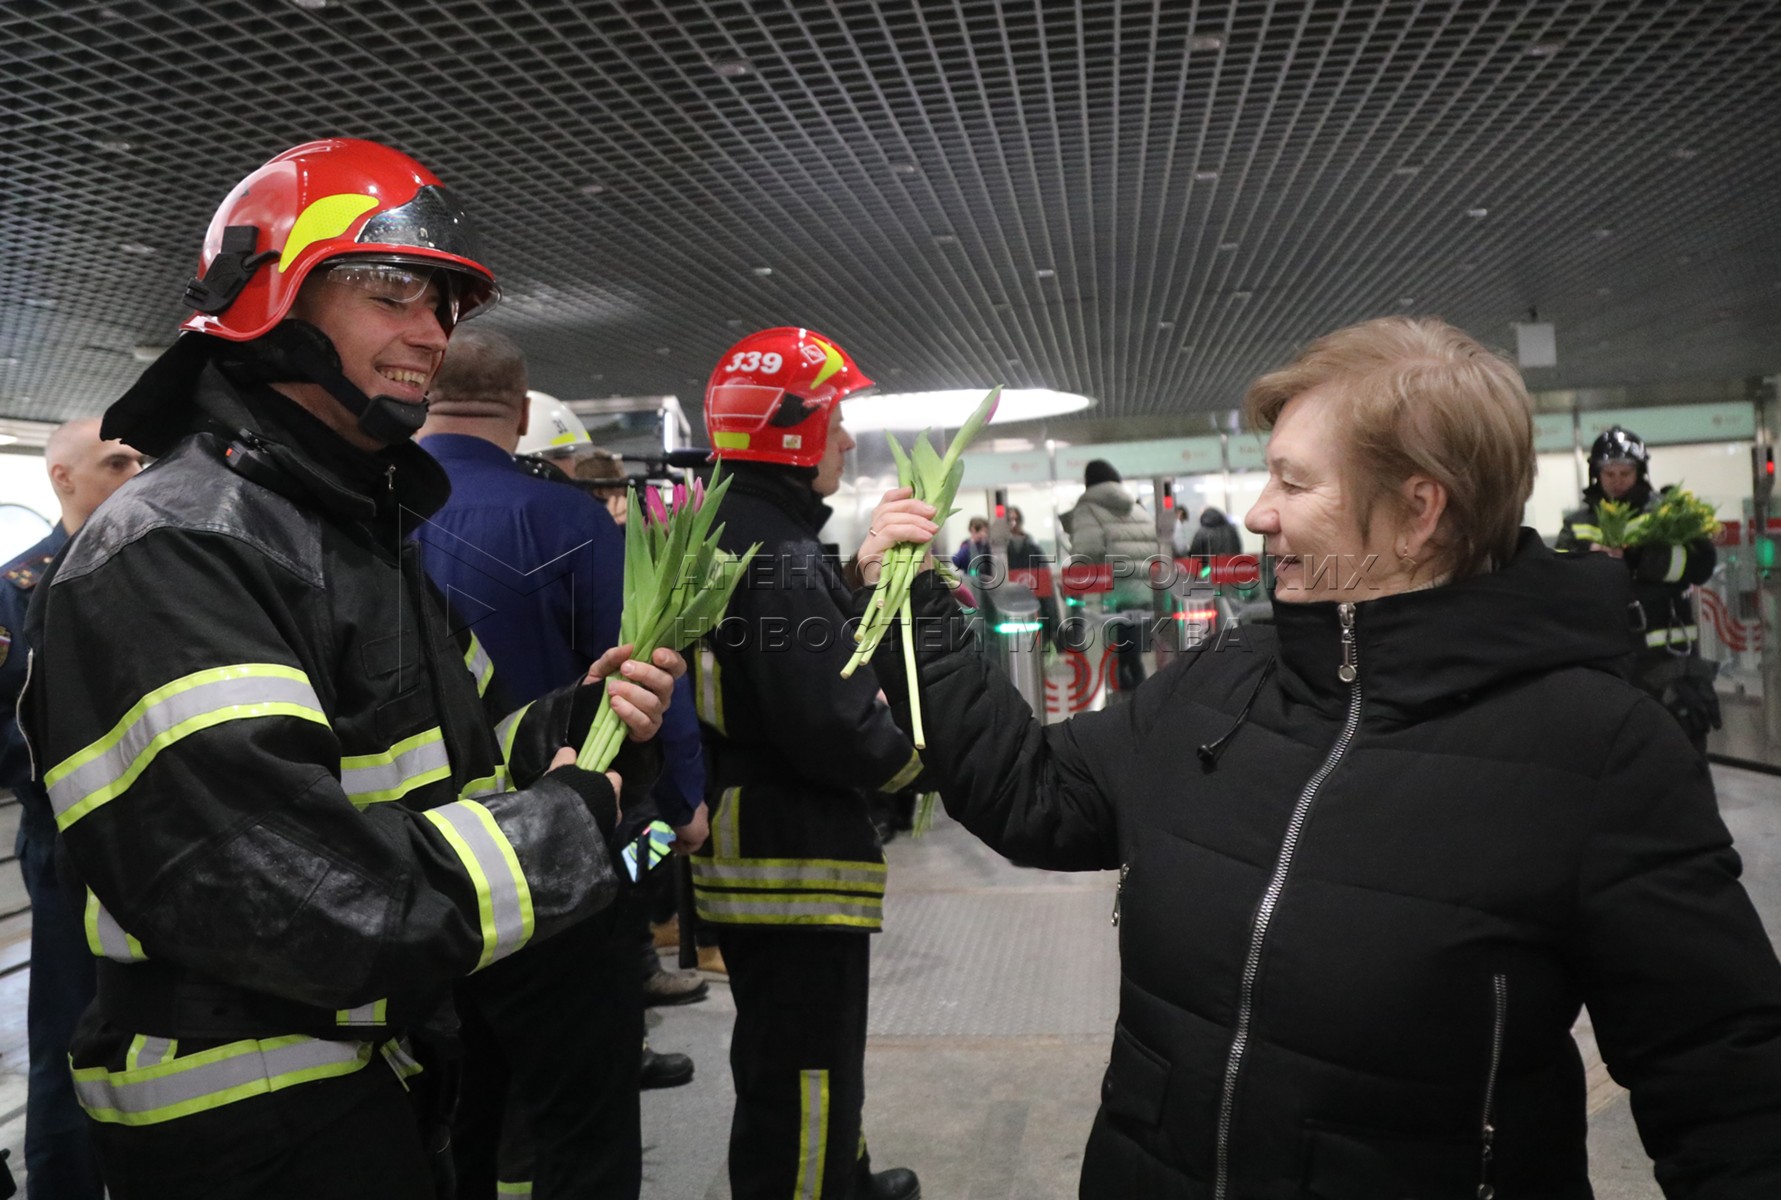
(105, 768)
(813, 1133)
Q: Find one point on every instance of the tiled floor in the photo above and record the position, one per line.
(993, 1000)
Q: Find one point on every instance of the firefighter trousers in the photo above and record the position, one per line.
(798, 1059)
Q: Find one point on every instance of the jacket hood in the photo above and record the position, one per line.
(1110, 496)
(1424, 650)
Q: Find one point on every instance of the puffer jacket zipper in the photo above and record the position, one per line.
(1487, 1163)
(1119, 891)
(1348, 673)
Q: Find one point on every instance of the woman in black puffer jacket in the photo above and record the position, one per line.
(1373, 858)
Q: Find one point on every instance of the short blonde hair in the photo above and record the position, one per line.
(1419, 397)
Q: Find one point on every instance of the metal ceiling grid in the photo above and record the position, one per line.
(1146, 202)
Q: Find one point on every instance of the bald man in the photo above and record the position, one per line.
(59, 1158)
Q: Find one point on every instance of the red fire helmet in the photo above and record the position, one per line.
(770, 396)
(325, 200)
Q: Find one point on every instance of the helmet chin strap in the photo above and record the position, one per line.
(295, 351)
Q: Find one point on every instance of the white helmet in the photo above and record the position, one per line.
(552, 429)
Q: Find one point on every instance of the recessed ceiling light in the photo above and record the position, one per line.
(945, 239)
(734, 322)
(11, 360)
(115, 146)
(1544, 49)
(948, 409)
(592, 189)
(904, 168)
(1406, 301)
(1602, 232)
(664, 349)
(1205, 176)
(1405, 170)
(732, 68)
(1239, 297)
(1206, 41)
(136, 248)
(763, 272)
(313, 5)
(1226, 247)
(40, 301)
(1045, 273)
(1684, 153)
(1477, 214)
(1165, 324)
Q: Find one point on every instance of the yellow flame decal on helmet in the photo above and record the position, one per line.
(328, 217)
(832, 362)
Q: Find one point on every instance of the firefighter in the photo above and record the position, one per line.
(793, 875)
(272, 766)
(1667, 663)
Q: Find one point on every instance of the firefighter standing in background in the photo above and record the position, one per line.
(793, 876)
(270, 762)
(1667, 663)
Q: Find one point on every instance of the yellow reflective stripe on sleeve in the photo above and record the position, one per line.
(810, 874)
(498, 782)
(480, 666)
(105, 937)
(208, 1079)
(904, 777)
(1673, 635)
(1678, 564)
(411, 763)
(503, 899)
(374, 1013)
(507, 732)
(726, 826)
(813, 1132)
(708, 692)
(520, 1187)
(106, 768)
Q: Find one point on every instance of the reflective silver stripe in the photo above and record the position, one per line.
(481, 667)
(374, 1013)
(904, 777)
(212, 1078)
(147, 1051)
(726, 830)
(1673, 635)
(105, 937)
(813, 1132)
(411, 763)
(811, 909)
(825, 874)
(508, 730)
(1678, 564)
(107, 767)
(709, 700)
(504, 902)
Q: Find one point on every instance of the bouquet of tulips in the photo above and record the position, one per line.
(677, 585)
(1676, 520)
(934, 480)
(1616, 525)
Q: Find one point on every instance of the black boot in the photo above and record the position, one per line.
(898, 1183)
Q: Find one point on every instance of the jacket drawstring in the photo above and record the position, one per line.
(1210, 751)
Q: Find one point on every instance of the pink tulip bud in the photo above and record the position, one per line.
(658, 511)
(698, 493)
(679, 496)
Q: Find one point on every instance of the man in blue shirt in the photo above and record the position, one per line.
(59, 1158)
(554, 1035)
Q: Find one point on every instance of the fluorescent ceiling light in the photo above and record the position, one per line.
(948, 410)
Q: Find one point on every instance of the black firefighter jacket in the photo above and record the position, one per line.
(272, 768)
(792, 749)
(1357, 920)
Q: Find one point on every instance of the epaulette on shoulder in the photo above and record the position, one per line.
(24, 573)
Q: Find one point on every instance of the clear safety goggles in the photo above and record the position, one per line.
(402, 283)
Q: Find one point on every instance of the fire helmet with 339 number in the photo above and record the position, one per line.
(770, 396)
(322, 201)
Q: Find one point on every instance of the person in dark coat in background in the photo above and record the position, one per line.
(1216, 537)
(1375, 857)
(59, 1158)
